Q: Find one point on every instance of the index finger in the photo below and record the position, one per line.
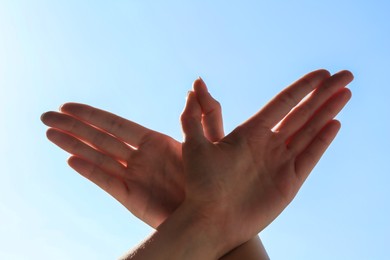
(286, 100)
(128, 131)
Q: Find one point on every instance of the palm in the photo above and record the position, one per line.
(256, 171)
(271, 177)
(154, 179)
(140, 168)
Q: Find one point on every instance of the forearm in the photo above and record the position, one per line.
(251, 250)
(184, 235)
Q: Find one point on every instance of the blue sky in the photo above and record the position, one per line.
(138, 59)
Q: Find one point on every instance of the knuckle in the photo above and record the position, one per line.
(109, 184)
(184, 117)
(323, 140)
(186, 120)
(329, 110)
(310, 131)
(75, 146)
(98, 139)
(91, 170)
(187, 116)
(214, 107)
(115, 125)
(304, 111)
(307, 82)
(288, 98)
(217, 104)
(100, 160)
(72, 126)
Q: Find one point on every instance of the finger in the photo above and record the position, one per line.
(123, 129)
(286, 100)
(305, 110)
(211, 112)
(80, 149)
(191, 119)
(325, 114)
(86, 133)
(306, 161)
(109, 183)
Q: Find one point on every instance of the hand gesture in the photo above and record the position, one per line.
(139, 167)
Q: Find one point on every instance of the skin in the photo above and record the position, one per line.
(139, 167)
(238, 185)
(244, 181)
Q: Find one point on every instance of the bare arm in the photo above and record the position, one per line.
(251, 250)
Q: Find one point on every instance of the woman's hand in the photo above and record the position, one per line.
(139, 167)
(241, 183)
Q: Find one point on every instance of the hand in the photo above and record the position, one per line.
(241, 183)
(139, 167)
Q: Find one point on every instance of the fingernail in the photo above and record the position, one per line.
(200, 78)
(203, 83)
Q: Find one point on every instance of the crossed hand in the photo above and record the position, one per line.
(240, 182)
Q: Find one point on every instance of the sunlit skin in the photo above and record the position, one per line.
(236, 184)
(245, 180)
(139, 167)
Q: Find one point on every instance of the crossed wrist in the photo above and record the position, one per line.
(206, 228)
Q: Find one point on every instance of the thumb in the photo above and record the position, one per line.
(211, 109)
(191, 119)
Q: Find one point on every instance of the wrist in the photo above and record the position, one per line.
(187, 234)
(196, 234)
(209, 226)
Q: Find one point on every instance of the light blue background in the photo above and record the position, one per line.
(138, 59)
